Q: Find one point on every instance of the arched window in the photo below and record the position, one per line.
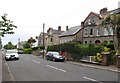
(97, 42)
(111, 41)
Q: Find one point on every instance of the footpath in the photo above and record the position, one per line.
(4, 71)
(109, 68)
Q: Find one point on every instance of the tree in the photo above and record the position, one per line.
(9, 46)
(113, 20)
(6, 26)
(25, 44)
(31, 41)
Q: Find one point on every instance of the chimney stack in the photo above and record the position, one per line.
(104, 10)
(66, 28)
(59, 28)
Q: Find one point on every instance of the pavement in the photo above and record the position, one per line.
(4, 70)
(109, 68)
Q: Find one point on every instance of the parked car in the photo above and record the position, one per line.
(11, 54)
(54, 56)
(20, 52)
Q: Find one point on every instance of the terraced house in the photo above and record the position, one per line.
(94, 34)
(71, 34)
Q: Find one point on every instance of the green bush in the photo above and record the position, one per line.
(27, 50)
(112, 57)
(35, 48)
(98, 57)
(74, 57)
(108, 45)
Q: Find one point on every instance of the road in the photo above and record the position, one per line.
(32, 68)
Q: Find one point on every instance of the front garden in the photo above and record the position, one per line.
(77, 52)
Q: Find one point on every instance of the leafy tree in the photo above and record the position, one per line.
(6, 26)
(113, 20)
(26, 44)
(9, 46)
(31, 41)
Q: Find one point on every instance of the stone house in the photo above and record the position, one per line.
(40, 38)
(51, 37)
(94, 34)
(71, 34)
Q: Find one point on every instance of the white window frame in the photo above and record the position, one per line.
(85, 32)
(98, 32)
(92, 32)
(105, 31)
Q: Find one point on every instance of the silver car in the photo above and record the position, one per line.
(11, 54)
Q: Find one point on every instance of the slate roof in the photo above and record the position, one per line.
(57, 32)
(71, 31)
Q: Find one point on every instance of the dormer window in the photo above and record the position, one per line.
(89, 22)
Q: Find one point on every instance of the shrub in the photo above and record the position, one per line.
(74, 57)
(42, 47)
(98, 57)
(27, 50)
(110, 45)
(35, 48)
(105, 49)
(112, 57)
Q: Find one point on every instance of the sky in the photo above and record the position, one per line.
(29, 15)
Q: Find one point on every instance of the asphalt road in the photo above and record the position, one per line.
(32, 68)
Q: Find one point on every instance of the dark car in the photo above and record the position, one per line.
(54, 56)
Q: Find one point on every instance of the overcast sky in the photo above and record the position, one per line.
(29, 15)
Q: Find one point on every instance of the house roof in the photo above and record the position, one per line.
(113, 11)
(93, 14)
(54, 31)
(57, 32)
(71, 31)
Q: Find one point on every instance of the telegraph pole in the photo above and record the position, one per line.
(43, 40)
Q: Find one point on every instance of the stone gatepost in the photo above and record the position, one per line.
(106, 58)
(118, 60)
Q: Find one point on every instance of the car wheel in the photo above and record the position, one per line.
(17, 58)
(53, 59)
(6, 59)
(47, 58)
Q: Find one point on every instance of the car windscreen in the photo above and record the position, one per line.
(56, 55)
(10, 51)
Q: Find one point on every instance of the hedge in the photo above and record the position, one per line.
(27, 50)
(76, 48)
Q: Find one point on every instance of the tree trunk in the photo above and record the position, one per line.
(114, 39)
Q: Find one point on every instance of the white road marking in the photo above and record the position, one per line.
(35, 61)
(92, 79)
(55, 68)
(12, 78)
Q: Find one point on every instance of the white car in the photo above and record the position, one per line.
(11, 54)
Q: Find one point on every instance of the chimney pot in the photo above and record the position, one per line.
(66, 28)
(104, 10)
(59, 28)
